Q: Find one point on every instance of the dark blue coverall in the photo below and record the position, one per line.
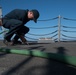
(14, 21)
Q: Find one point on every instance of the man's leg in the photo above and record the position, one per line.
(21, 34)
(15, 40)
(14, 26)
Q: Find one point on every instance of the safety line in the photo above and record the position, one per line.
(49, 19)
(42, 34)
(58, 57)
(67, 36)
(67, 31)
(43, 27)
(69, 19)
(31, 38)
(68, 27)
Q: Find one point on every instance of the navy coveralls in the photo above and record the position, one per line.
(14, 21)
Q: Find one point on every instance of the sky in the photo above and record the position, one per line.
(48, 9)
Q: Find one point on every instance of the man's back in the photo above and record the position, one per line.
(18, 14)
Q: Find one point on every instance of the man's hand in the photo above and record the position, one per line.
(23, 40)
(0, 22)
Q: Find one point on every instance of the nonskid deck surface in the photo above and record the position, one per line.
(15, 64)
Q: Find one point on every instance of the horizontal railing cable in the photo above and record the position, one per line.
(54, 35)
(68, 31)
(43, 27)
(56, 39)
(42, 34)
(68, 36)
(64, 39)
(31, 38)
(69, 19)
(48, 19)
(67, 26)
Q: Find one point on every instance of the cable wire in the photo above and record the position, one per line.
(68, 31)
(69, 19)
(68, 36)
(43, 27)
(68, 27)
(49, 19)
(31, 38)
(68, 39)
(42, 34)
(54, 35)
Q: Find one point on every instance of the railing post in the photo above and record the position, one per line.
(0, 13)
(2, 28)
(59, 28)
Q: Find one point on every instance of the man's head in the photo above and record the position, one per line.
(33, 15)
